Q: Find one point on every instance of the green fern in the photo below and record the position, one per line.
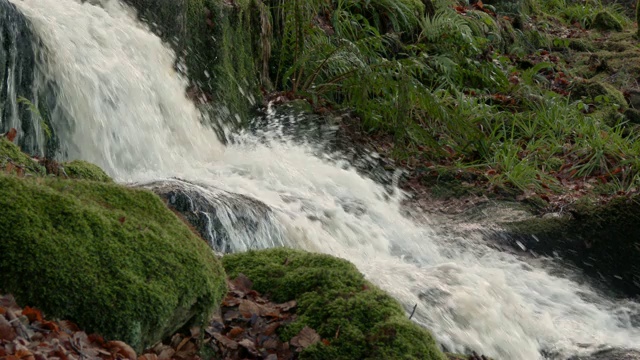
(36, 112)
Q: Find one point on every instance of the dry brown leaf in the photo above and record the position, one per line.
(166, 354)
(305, 338)
(119, 347)
(242, 283)
(270, 344)
(287, 306)
(234, 332)
(68, 326)
(225, 341)
(271, 328)
(6, 330)
(148, 357)
(11, 135)
(248, 308)
(249, 345)
(182, 343)
(187, 352)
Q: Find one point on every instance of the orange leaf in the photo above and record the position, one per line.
(50, 325)
(32, 314)
(11, 135)
(235, 331)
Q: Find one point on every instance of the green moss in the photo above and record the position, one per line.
(334, 298)
(223, 53)
(597, 91)
(110, 258)
(79, 169)
(604, 20)
(11, 153)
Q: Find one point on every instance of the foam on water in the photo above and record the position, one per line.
(130, 115)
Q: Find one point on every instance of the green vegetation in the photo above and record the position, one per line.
(112, 259)
(459, 88)
(79, 169)
(359, 320)
(12, 159)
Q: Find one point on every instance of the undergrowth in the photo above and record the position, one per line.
(459, 86)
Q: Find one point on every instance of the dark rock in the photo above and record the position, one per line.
(20, 53)
(611, 354)
(229, 222)
(604, 240)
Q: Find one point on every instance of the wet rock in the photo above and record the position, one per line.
(604, 240)
(229, 222)
(611, 354)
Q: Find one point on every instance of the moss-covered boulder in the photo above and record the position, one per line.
(359, 320)
(602, 239)
(604, 20)
(79, 169)
(113, 259)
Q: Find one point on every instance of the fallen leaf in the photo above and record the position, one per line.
(305, 338)
(119, 347)
(249, 345)
(225, 341)
(32, 314)
(148, 357)
(234, 332)
(11, 135)
(6, 330)
(242, 283)
(287, 306)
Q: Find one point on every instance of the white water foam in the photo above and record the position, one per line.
(130, 115)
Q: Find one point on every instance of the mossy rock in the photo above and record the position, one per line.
(594, 90)
(604, 20)
(600, 238)
(10, 153)
(79, 169)
(334, 298)
(112, 259)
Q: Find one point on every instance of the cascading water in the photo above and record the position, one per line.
(128, 113)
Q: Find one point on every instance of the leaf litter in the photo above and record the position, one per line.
(245, 327)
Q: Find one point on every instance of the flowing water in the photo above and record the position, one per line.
(127, 112)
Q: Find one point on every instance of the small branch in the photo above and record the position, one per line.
(413, 311)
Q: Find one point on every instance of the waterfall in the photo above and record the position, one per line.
(126, 110)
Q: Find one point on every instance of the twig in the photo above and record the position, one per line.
(413, 311)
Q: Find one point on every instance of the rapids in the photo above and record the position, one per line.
(126, 110)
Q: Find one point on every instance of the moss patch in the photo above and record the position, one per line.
(79, 169)
(10, 154)
(110, 258)
(604, 20)
(334, 298)
(597, 91)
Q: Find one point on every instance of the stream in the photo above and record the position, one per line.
(122, 106)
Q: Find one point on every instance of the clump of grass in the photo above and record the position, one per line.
(451, 85)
